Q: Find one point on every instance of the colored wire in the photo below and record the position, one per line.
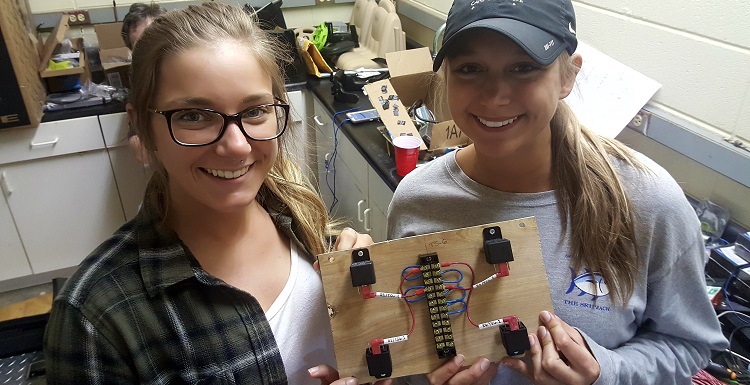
(405, 273)
(452, 302)
(468, 296)
(408, 305)
(460, 275)
(406, 296)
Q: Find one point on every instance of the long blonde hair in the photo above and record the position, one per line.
(590, 194)
(285, 190)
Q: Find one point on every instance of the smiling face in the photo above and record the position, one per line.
(501, 98)
(224, 176)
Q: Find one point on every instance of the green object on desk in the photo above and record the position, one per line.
(320, 36)
(63, 65)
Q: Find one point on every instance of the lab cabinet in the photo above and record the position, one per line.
(362, 196)
(130, 175)
(60, 192)
(15, 263)
(298, 136)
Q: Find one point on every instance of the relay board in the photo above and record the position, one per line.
(405, 306)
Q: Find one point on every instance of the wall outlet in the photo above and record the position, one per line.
(78, 17)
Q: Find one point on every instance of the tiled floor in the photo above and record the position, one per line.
(15, 296)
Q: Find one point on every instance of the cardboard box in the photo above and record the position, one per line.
(114, 55)
(22, 94)
(57, 80)
(412, 79)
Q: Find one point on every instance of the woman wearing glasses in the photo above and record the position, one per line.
(213, 281)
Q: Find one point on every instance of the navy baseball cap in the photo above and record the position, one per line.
(543, 28)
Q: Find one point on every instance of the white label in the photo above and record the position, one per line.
(395, 339)
(389, 295)
(491, 324)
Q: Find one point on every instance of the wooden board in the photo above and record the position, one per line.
(356, 321)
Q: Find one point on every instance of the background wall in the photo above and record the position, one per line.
(297, 13)
(699, 50)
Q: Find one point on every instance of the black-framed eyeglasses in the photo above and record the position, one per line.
(195, 127)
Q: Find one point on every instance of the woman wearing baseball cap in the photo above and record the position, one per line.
(622, 247)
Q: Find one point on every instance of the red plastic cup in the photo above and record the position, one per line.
(407, 153)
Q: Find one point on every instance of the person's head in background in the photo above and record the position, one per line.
(214, 56)
(139, 16)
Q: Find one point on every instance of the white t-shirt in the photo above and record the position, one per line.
(299, 321)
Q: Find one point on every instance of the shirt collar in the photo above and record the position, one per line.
(165, 260)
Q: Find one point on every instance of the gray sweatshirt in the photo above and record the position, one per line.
(668, 329)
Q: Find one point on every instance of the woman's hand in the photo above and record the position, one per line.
(559, 355)
(350, 239)
(452, 373)
(329, 376)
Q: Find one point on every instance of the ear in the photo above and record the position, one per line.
(568, 78)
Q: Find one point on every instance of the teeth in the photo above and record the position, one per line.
(490, 123)
(228, 174)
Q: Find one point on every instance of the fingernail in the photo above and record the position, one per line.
(351, 381)
(313, 370)
(543, 331)
(459, 359)
(532, 340)
(484, 364)
(546, 316)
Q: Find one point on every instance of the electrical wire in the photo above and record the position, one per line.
(731, 337)
(331, 162)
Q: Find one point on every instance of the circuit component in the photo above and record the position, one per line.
(514, 335)
(434, 290)
(379, 361)
(362, 270)
(496, 248)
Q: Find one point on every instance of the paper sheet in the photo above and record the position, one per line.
(608, 94)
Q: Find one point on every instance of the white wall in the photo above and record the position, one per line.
(699, 50)
(294, 16)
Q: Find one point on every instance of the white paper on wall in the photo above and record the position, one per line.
(608, 94)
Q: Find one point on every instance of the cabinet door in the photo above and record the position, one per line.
(131, 176)
(12, 254)
(352, 200)
(379, 196)
(353, 189)
(297, 136)
(63, 206)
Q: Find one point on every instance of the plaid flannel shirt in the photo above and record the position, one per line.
(141, 310)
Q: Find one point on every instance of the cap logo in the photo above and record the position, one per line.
(549, 45)
(570, 28)
(475, 2)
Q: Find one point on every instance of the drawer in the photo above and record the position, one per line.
(114, 129)
(50, 139)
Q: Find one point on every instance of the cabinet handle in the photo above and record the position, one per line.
(4, 184)
(359, 209)
(42, 144)
(317, 121)
(368, 228)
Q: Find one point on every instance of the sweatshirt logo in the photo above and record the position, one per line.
(587, 283)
